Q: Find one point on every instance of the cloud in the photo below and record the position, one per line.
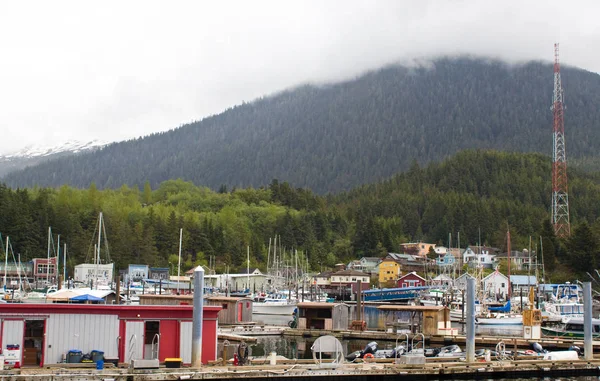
(113, 70)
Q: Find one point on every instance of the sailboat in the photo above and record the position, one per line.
(502, 315)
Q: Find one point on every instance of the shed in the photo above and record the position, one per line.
(319, 315)
(44, 333)
(428, 320)
(233, 310)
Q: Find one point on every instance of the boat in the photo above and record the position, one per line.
(565, 302)
(275, 304)
(500, 319)
(572, 327)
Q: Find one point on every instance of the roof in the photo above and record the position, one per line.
(496, 274)
(399, 257)
(411, 273)
(225, 298)
(350, 272)
(370, 259)
(516, 254)
(396, 307)
(523, 280)
(318, 305)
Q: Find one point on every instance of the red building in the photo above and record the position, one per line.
(41, 273)
(410, 280)
(45, 333)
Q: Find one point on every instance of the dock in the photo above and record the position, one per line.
(325, 372)
(480, 341)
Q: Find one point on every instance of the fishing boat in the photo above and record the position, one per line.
(573, 327)
(275, 304)
(565, 302)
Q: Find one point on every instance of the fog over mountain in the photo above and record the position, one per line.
(335, 137)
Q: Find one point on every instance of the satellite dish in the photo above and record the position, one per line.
(329, 345)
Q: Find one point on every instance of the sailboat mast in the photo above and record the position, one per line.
(48, 259)
(5, 262)
(508, 244)
(57, 258)
(65, 263)
(98, 253)
(179, 259)
(248, 269)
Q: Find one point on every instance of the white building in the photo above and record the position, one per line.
(89, 273)
(495, 285)
(479, 255)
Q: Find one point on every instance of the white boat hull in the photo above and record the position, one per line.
(500, 321)
(273, 309)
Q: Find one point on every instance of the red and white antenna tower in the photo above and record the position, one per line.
(560, 198)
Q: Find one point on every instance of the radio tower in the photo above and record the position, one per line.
(560, 198)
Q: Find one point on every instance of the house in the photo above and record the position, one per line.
(348, 279)
(495, 285)
(42, 273)
(420, 249)
(440, 250)
(16, 272)
(442, 280)
(322, 279)
(392, 266)
(389, 269)
(446, 260)
(365, 264)
(519, 260)
(520, 283)
(461, 281)
(480, 255)
(411, 279)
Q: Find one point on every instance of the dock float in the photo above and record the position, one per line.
(323, 372)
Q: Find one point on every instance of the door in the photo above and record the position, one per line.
(12, 340)
(134, 340)
(169, 339)
(185, 344)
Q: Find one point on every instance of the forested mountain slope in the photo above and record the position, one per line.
(480, 194)
(334, 137)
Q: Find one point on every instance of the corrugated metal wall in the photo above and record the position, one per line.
(88, 332)
(185, 344)
(134, 348)
(12, 333)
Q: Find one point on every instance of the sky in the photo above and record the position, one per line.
(115, 70)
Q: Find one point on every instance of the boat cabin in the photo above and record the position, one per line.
(319, 315)
(43, 334)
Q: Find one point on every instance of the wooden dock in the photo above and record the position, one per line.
(480, 341)
(324, 372)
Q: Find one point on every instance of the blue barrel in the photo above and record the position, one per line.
(100, 364)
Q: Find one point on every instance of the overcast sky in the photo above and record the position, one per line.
(112, 70)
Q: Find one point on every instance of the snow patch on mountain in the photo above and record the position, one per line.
(71, 146)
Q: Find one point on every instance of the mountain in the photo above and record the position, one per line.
(336, 136)
(33, 155)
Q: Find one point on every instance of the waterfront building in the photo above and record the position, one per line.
(45, 333)
(411, 279)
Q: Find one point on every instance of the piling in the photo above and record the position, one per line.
(470, 338)
(197, 317)
(588, 349)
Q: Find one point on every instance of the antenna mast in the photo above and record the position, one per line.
(560, 198)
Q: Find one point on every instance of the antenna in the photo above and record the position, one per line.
(560, 198)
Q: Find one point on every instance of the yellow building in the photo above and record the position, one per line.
(389, 270)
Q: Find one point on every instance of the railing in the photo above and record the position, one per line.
(132, 348)
(155, 346)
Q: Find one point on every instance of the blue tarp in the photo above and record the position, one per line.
(504, 308)
(86, 298)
